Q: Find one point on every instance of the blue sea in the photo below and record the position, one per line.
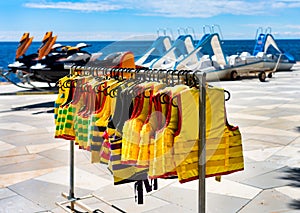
(230, 47)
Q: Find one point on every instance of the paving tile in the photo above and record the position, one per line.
(83, 179)
(17, 177)
(16, 126)
(291, 106)
(96, 169)
(10, 160)
(269, 180)
(38, 164)
(250, 144)
(5, 193)
(292, 118)
(224, 187)
(18, 150)
(29, 138)
(285, 114)
(242, 123)
(24, 116)
(150, 203)
(261, 154)
(269, 201)
(217, 203)
(4, 132)
(43, 193)
(270, 106)
(280, 123)
(296, 142)
(233, 107)
(290, 151)
(253, 169)
(5, 146)
(291, 191)
(275, 139)
(111, 192)
(170, 208)
(187, 198)
(263, 100)
(63, 155)
(18, 204)
(43, 147)
(125, 191)
(7, 115)
(268, 131)
(56, 210)
(249, 117)
(231, 188)
(183, 197)
(284, 160)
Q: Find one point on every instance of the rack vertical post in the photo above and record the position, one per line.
(72, 165)
(202, 142)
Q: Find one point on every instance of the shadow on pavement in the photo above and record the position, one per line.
(293, 175)
(49, 104)
(295, 204)
(34, 106)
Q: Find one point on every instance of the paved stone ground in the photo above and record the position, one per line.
(34, 166)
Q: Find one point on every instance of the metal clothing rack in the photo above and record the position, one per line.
(201, 78)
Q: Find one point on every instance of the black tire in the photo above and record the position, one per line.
(233, 75)
(262, 76)
(270, 75)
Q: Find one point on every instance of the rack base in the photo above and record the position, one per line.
(77, 202)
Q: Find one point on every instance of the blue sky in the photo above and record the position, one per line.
(125, 19)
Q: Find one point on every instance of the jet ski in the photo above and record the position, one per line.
(58, 62)
(51, 61)
(24, 62)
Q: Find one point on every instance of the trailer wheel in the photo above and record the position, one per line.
(270, 75)
(233, 75)
(262, 76)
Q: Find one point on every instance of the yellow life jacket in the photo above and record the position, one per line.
(100, 149)
(69, 131)
(131, 138)
(82, 115)
(163, 164)
(148, 128)
(61, 103)
(95, 139)
(124, 173)
(93, 134)
(223, 146)
(161, 105)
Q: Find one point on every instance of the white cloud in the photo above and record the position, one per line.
(80, 6)
(286, 4)
(291, 26)
(202, 9)
(173, 8)
(11, 35)
(287, 34)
